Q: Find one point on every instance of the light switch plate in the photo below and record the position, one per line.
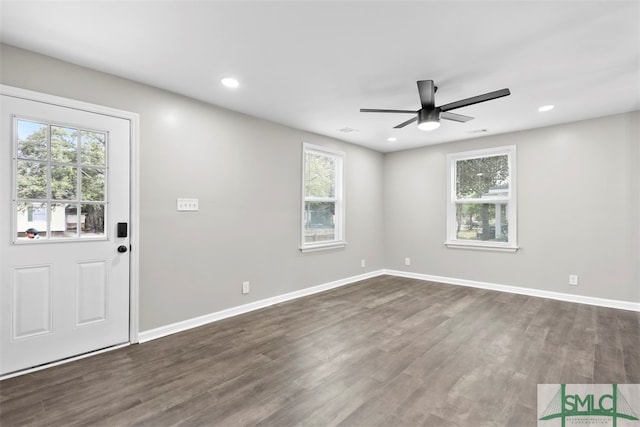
(187, 204)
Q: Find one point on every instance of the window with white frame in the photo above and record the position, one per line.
(322, 198)
(481, 211)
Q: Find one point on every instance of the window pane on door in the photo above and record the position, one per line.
(32, 179)
(31, 215)
(64, 144)
(92, 184)
(32, 140)
(64, 222)
(64, 182)
(92, 220)
(93, 147)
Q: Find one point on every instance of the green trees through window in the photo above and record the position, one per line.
(478, 178)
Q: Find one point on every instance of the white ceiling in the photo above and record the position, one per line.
(313, 64)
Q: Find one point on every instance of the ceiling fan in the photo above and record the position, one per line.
(429, 115)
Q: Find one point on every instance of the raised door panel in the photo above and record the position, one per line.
(31, 290)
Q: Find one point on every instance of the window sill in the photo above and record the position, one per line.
(323, 247)
(480, 247)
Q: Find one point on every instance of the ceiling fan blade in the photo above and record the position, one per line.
(375, 110)
(455, 117)
(427, 92)
(475, 99)
(403, 124)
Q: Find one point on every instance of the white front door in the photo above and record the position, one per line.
(64, 237)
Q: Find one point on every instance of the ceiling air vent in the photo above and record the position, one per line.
(348, 130)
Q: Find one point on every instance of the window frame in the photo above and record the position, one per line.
(510, 200)
(339, 209)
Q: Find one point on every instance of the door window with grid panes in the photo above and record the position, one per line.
(60, 181)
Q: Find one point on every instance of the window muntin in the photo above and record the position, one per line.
(322, 198)
(482, 199)
(59, 171)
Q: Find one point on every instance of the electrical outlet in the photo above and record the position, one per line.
(573, 279)
(363, 263)
(187, 204)
(407, 261)
(245, 287)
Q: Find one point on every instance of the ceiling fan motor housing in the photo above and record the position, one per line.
(432, 115)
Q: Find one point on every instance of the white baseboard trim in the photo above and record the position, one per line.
(173, 328)
(602, 302)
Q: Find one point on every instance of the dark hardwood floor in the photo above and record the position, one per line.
(386, 351)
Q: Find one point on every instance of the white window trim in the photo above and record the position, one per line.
(451, 242)
(339, 241)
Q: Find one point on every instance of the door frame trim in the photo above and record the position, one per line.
(134, 202)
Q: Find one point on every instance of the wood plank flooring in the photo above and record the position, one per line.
(386, 351)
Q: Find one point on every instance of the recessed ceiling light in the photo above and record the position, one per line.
(230, 82)
(392, 139)
(546, 108)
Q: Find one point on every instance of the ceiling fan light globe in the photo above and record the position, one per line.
(428, 125)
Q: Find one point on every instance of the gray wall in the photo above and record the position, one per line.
(246, 173)
(578, 191)
(578, 210)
